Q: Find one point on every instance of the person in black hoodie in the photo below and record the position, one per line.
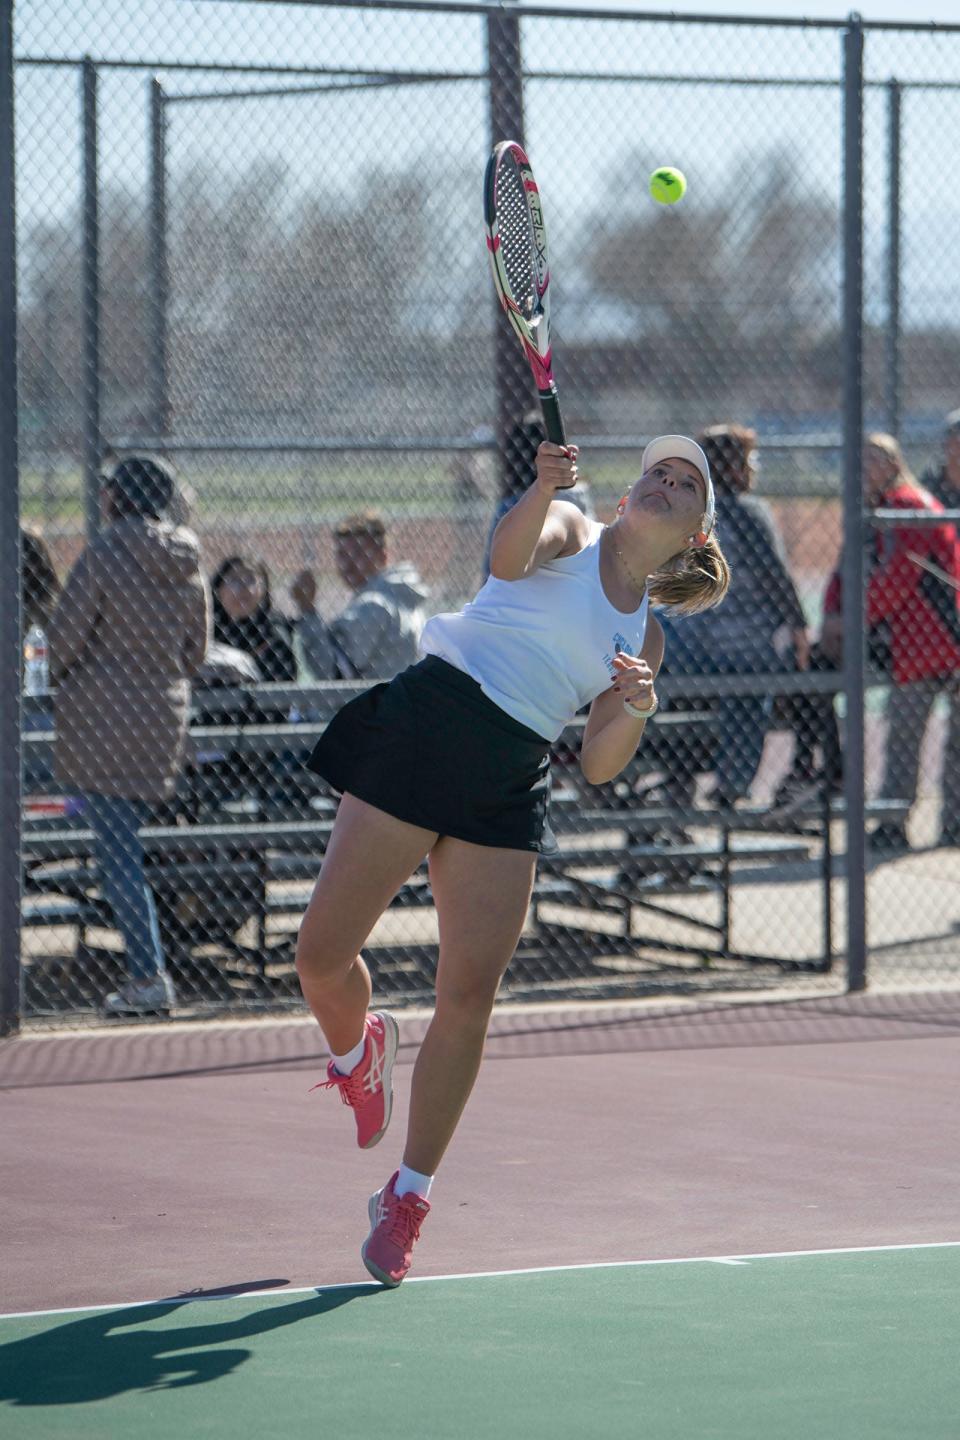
(760, 629)
(243, 616)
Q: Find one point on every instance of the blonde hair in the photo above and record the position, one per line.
(889, 447)
(364, 525)
(695, 580)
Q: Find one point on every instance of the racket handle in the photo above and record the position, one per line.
(552, 419)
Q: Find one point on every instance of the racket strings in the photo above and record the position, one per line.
(516, 237)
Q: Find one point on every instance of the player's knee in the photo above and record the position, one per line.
(319, 956)
(469, 998)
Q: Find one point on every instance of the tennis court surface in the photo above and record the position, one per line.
(734, 1223)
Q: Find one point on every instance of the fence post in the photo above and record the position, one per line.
(158, 262)
(893, 393)
(853, 517)
(92, 441)
(10, 624)
(514, 386)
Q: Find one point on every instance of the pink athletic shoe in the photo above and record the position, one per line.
(368, 1089)
(394, 1230)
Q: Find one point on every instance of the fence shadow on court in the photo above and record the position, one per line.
(101, 1356)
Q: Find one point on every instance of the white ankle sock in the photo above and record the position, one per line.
(350, 1061)
(408, 1179)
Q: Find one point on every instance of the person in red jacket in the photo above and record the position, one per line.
(911, 599)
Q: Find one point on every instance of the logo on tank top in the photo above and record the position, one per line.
(621, 646)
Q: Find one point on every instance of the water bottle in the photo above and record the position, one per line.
(36, 662)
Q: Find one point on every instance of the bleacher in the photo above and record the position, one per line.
(233, 869)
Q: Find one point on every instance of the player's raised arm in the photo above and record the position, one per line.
(539, 528)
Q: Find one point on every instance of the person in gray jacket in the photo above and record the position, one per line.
(130, 630)
(378, 634)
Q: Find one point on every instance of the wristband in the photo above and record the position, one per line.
(641, 714)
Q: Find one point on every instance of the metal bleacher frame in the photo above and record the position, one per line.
(609, 831)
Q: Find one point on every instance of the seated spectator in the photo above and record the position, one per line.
(813, 720)
(921, 614)
(130, 630)
(942, 479)
(471, 473)
(760, 626)
(378, 633)
(523, 442)
(243, 616)
(317, 645)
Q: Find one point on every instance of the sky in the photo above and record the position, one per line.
(581, 133)
(906, 10)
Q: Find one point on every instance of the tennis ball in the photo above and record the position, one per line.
(668, 185)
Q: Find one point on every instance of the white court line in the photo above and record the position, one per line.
(487, 1275)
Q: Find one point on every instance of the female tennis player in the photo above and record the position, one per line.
(450, 761)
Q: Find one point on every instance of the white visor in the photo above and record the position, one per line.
(680, 447)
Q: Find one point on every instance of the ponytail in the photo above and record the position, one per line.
(694, 580)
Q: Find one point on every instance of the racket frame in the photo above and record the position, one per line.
(533, 332)
(933, 569)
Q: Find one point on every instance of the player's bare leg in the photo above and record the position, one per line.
(369, 857)
(482, 895)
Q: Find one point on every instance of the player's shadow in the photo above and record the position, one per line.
(100, 1356)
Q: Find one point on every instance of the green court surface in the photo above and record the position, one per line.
(838, 1345)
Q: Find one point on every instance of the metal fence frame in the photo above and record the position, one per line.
(10, 770)
(505, 78)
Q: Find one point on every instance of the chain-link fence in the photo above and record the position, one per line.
(252, 303)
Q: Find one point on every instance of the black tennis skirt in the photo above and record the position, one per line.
(431, 749)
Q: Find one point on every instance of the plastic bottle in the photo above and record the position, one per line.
(36, 662)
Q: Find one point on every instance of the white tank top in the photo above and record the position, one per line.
(541, 648)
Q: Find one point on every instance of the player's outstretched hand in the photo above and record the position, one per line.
(633, 680)
(556, 468)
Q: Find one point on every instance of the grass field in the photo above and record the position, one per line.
(271, 486)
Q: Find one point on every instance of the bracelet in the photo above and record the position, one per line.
(641, 714)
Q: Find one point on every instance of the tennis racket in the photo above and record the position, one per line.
(932, 569)
(517, 242)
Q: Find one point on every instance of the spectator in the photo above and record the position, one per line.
(813, 719)
(378, 634)
(130, 630)
(521, 454)
(922, 616)
(317, 645)
(759, 629)
(943, 479)
(470, 472)
(243, 617)
(40, 586)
